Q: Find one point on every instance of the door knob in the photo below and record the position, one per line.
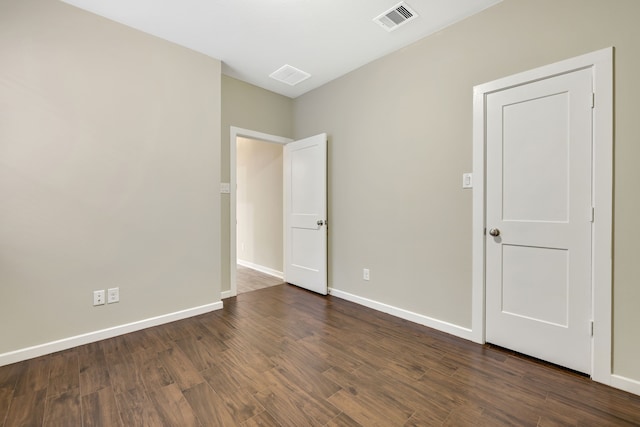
(494, 232)
(320, 223)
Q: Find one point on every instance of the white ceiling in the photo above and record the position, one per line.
(253, 38)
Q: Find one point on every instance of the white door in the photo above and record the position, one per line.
(538, 219)
(305, 222)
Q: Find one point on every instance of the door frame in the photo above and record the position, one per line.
(236, 132)
(601, 62)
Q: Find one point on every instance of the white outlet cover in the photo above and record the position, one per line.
(113, 295)
(98, 297)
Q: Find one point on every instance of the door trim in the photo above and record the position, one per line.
(233, 182)
(601, 62)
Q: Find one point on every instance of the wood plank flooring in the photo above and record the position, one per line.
(248, 280)
(282, 356)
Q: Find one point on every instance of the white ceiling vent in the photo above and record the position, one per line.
(398, 15)
(289, 75)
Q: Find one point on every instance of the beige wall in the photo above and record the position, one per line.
(259, 203)
(109, 172)
(401, 136)
(248, 107)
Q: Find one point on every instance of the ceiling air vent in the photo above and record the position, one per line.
(393, 18)
(289, 75)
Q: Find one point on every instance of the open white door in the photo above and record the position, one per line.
(305, 216)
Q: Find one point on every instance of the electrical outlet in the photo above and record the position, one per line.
(113, 295)
(365, 274)
(98, 297)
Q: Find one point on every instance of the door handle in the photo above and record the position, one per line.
(320, 223)
(494, 232)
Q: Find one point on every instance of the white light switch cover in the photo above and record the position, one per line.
(467, 180)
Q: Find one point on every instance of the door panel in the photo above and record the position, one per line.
(538, 268)
(305, 169)
(535, 144)
(534, 285)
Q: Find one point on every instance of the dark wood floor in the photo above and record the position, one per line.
(284, 356)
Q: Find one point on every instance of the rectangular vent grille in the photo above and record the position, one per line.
(289, 75)
(398, 15)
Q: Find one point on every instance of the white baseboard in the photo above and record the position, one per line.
(626, 384)
(261, 268)
(66, 343)
(226, 294)
(439, 325)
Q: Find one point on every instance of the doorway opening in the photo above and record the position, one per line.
(252, 243)
(259, 213)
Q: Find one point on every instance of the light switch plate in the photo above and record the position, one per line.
(467, 180)
(225, 188)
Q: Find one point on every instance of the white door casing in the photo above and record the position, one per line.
(305, 210)
(538, 189)
(599, 65)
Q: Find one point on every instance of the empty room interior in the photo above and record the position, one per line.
(441, 190)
